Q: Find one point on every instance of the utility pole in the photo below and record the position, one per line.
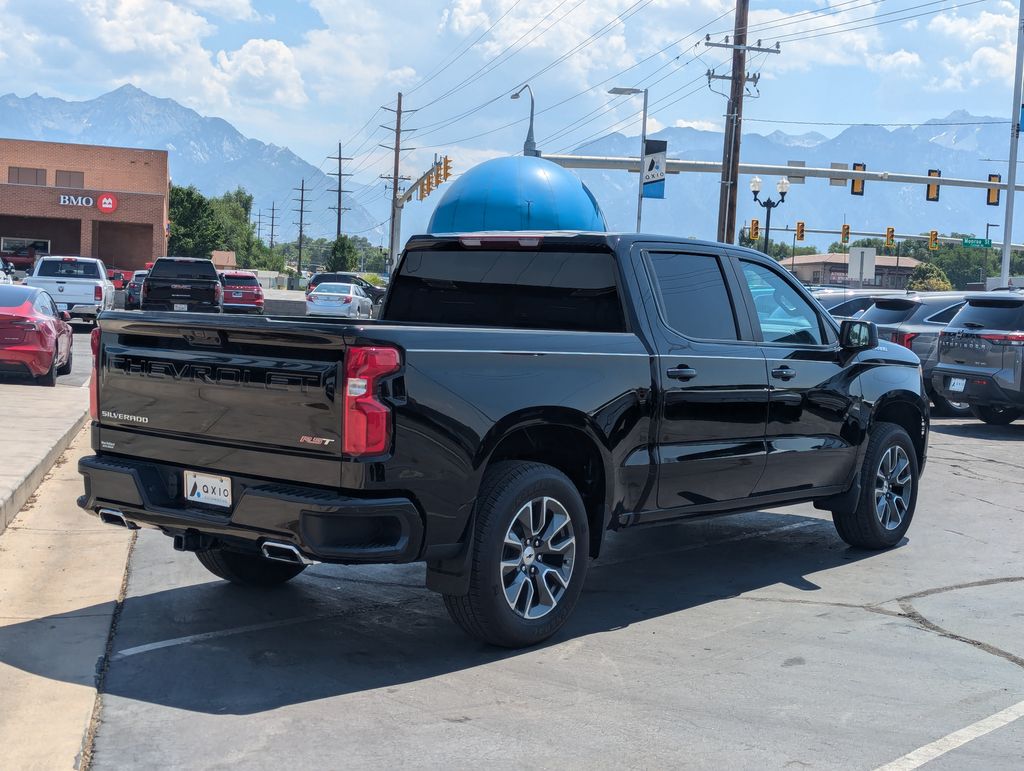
(259, 225)
(1011, 175)
(273, 221)
(301, 223)
(734, 119)
(339, 208)
(396, 177)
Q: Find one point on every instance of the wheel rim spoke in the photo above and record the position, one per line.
(537, 559)
(893, 487)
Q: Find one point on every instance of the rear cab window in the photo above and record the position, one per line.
(1001, 314)
(518, 288)
(694, 297)
(68, 267)
(239, 281)
(187, 269)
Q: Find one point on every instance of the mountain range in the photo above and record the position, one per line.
(211, 154)
(206, 152)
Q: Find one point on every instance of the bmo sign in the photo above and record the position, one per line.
(105, 202)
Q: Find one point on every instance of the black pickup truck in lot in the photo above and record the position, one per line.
(182, 284)
(519, 396)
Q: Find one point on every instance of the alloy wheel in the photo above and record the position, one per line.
(537, 557)
(894, 486)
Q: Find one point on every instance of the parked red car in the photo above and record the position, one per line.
(119, 278)
(35, 338)
(242, 291)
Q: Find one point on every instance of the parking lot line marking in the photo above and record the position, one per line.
(940, 747)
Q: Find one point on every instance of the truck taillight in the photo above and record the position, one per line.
(904, 338)
(366, 422)
(97, 294)
(94, 382)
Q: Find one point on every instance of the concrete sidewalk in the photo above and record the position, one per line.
(38, 425)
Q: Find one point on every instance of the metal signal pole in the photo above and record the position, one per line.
(1011, 174)
(396, 177)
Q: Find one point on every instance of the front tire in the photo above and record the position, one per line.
(888, 495)
(530, 552)
(995, 416)
(247, 569)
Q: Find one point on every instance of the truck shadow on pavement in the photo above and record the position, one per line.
(1012, 432)
(220, 649)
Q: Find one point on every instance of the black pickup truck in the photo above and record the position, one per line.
(183, 284)
(519, 397)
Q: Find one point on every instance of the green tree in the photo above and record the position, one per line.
(928, 277)
(343, 255)
(234, 217)
(195, 230)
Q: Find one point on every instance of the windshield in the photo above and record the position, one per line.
(68, 267)
(889, 311)
(14, 296)
(184, 269)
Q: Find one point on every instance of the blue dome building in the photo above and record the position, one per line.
(517, 193)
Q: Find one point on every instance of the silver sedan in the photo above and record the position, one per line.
(345, 300)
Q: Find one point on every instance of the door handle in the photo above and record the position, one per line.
(783, 373)
(682, 373)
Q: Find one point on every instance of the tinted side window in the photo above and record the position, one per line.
(850, 307)
(784, 315)
(890, 311)
(694, 295)
(945, 316)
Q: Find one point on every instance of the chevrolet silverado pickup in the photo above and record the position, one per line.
(519, 396)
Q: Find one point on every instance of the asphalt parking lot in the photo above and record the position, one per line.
(754, 641)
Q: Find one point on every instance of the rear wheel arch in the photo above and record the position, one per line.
(574, 451)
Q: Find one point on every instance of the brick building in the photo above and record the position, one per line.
(890, 272)
(87, 200)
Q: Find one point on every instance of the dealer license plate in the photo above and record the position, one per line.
(236, 294)
(957, 384)
(181, 306)
(208, 489)
(62, 306)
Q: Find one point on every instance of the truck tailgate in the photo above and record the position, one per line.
(66, 292)
(221, 382)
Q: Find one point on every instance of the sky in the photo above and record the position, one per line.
(307, 74)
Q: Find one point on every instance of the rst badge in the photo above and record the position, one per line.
(316, 441)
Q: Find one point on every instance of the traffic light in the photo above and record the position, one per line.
(799, 231)
(420, 195)
(890, 237)
(992, 194)
(857, 185)
(931, 192)
(933, 240)
(437, 175)
(755, 230)
(427, 185)
(845, 238)
(446, 167)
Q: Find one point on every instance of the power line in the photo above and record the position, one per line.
(882, 125)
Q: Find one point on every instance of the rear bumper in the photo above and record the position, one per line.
(149, 305)
(980, 388)
(338, 311)
(323, 525)
(243, 308)
(26, 360)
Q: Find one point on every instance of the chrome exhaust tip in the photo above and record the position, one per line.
(116, 518)
(284, 552)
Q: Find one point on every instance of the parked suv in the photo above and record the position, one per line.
(981, 357)
(914, 321)
(375, 293)
(242, 291)
(850, 303)
(133, 291)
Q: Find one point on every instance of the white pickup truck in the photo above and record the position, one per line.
(78, 285)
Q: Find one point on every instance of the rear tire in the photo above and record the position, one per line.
(50, 378)
(66, 369)
(247, 569)
(888, 495)
(530, 547)
(945, 408)
(995, 416)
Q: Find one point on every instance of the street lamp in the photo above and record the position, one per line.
(620, 91)
(755, 187)
(529, 146)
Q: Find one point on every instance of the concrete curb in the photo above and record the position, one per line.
(10, 506)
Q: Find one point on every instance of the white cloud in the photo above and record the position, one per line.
(989, 43)
(910, 26)
(901, 62)
(653, 124)
(700, 125)
(236, 10)
(262, 71)
(153, 27)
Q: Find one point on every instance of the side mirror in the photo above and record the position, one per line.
(857, 335)
(64, 315)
